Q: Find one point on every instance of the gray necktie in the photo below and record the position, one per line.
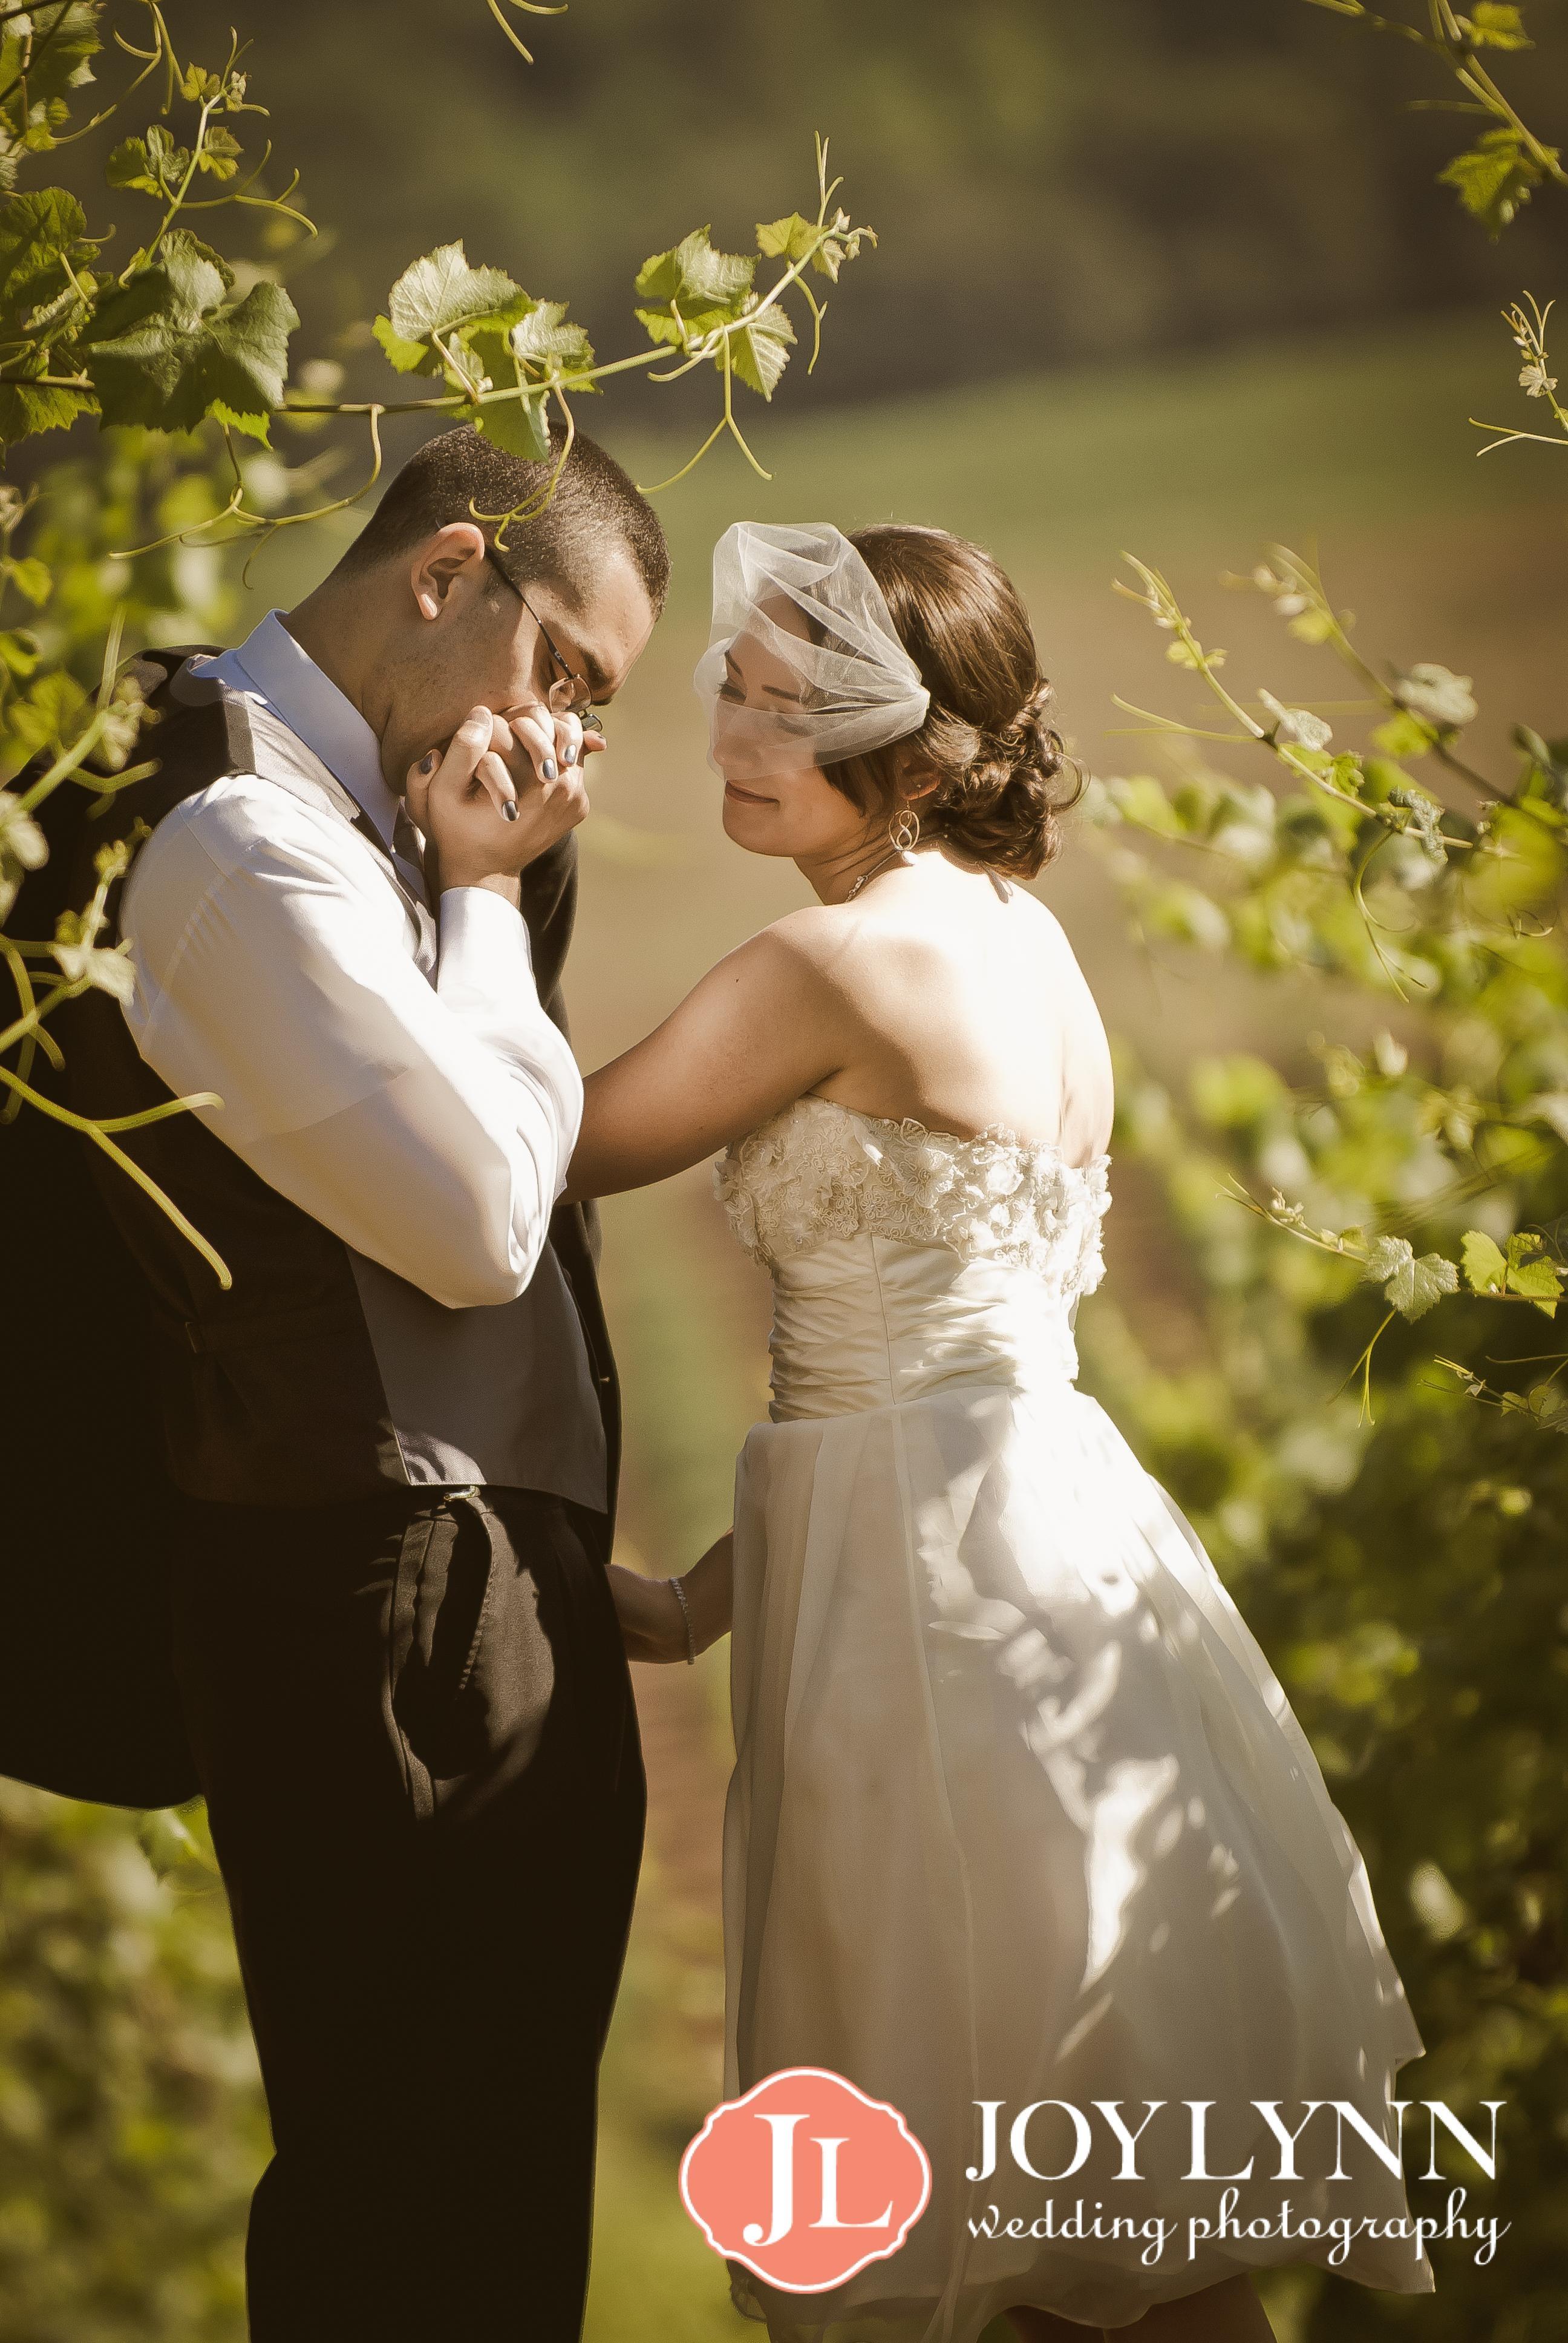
(408, 854)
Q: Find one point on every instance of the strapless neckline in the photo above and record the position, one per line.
(819, 1172)
(994, 1135)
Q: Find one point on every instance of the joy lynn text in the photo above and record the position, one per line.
(1194, 2124)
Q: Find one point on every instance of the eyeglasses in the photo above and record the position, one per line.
(571, 693)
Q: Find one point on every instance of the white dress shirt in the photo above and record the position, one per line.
(395, 1078)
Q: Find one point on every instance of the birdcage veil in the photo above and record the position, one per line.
(803, 666)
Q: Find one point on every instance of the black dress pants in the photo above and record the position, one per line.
(414, 1722)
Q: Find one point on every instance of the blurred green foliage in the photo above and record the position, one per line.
(131, 2122)
(1392, 1218)
(1070, 179)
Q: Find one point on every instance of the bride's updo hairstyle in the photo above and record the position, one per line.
(1003, 777)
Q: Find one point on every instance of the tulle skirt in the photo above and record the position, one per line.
(1021, 1814)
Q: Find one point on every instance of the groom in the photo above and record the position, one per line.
(394, 1441)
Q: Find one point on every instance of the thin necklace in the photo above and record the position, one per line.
(897, 854)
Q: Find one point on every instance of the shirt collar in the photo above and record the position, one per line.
(270, 664)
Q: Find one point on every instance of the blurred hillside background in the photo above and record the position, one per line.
(1054, 180)
(1176, 278)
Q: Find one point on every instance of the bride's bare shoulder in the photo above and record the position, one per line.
(862, 948)
(800, 957)
(816, 938)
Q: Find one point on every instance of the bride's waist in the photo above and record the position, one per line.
(865, 1322)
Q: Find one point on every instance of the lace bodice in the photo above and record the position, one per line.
(821, 1170)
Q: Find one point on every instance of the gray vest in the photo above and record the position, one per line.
(322, 1375)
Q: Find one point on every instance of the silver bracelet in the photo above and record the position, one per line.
(685, 1615)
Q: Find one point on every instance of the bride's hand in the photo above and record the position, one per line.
(652, 1619)
(651, 1626)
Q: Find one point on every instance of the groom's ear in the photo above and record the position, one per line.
(448, 570)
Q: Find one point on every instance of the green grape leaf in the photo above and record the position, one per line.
(663, 325)
(1539, 1282)
(409, 357)
(219, 152)
(1403, 735)
(244, 374)
(491, 348)
(57, 320)
(541, 338)
(1494, 178)
(39, 233)
(440, 292)
(519, 426)
(26, 408)
(1531, 1274)
(1142, 800)
(699, 282)
(41, 242)
(30, 577)
(48, 714)
(785, 239)
(1410, 1285)
(1485, 1266)
(1491, 25)
(1546, 773)
(129, 165)
(831, 254)
(154, 164)
(20, 651)
(530, 333)
(168, 352)
(760, 350)
(54, 64)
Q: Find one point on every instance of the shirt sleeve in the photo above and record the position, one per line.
(429, 1125)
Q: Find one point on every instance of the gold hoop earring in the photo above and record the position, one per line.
(904, 829)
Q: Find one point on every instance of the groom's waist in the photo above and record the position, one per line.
(339, 1392)
(316, 1374)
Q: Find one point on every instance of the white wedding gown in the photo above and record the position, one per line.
(1020, 1811)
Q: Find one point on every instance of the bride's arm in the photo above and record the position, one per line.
(770, 1022)
(652, 1619)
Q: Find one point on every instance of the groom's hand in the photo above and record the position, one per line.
(508, 789)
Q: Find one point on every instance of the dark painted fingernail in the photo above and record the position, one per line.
(508, 812)
(548, 769)
(428, 764)
(571, 753)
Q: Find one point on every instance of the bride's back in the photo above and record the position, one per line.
(965, 1009)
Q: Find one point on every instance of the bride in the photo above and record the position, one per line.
(1020, 1812)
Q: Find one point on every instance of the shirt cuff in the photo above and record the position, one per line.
(485, 944)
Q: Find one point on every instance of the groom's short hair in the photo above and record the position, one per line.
(462, 476)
